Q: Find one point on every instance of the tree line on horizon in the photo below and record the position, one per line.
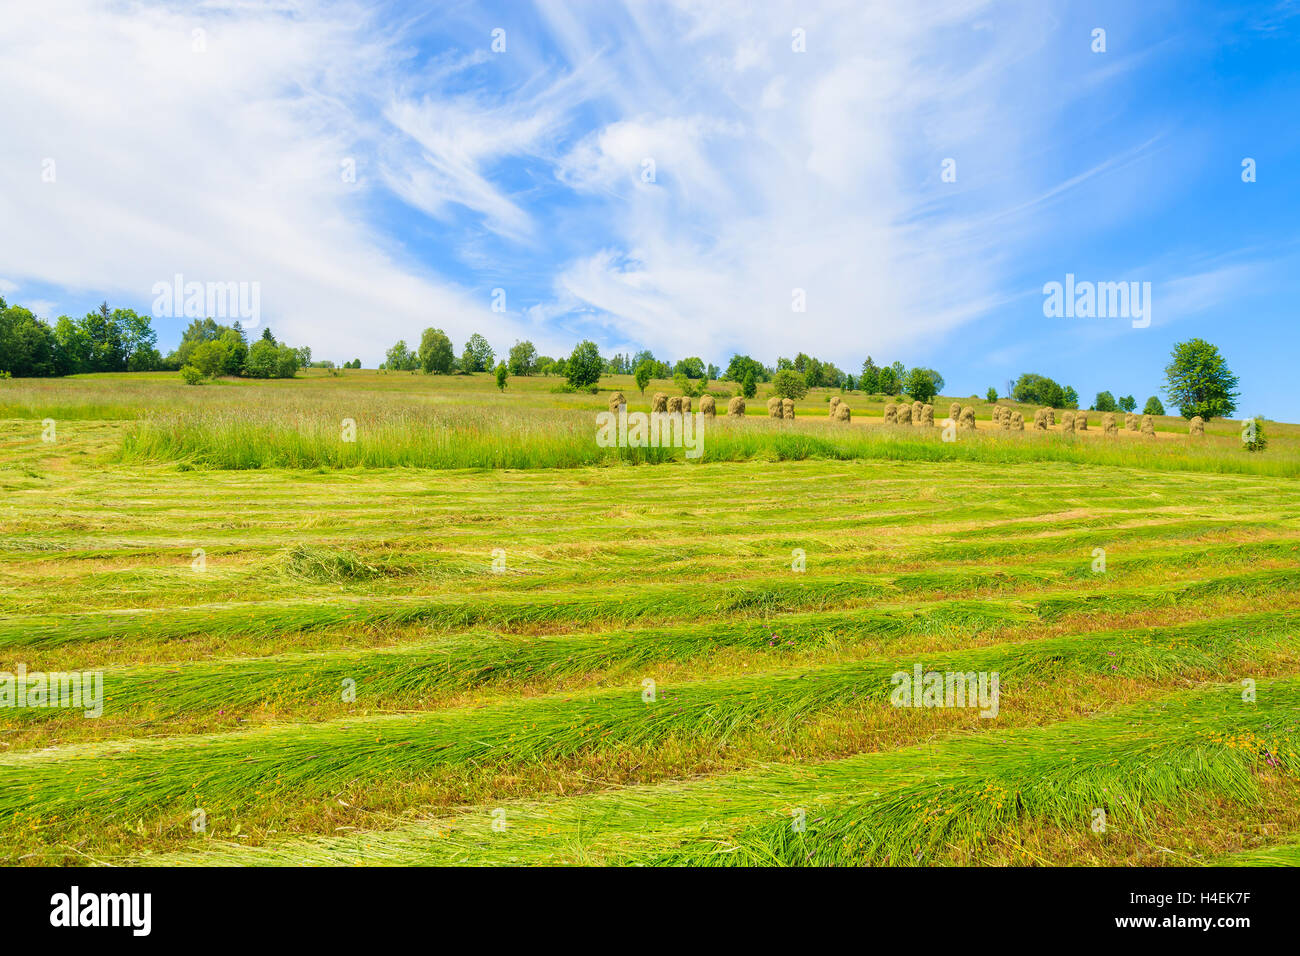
(1197, 379)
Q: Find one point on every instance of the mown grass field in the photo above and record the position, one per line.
(432, 645)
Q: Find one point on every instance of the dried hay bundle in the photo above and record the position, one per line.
(1040, 420)
(1108, 424)
(904, 414)
(927, 416)
(967, 419)
(842, 413)
(675, 405)
(1148, 426)
(1131, 421)
(1017, 421)
(1196, 427)
(659, 403)
(736, 407)
(1081, 422)
(891, 414)
(615, 401)
(1067, 421)
(708, 406)
(787, 408)
(774, 406)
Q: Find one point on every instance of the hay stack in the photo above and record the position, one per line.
(615, 401)
(1016, 420)
(927, 416)
(996, 412)
(1003, 417)
(967, 419)
(1067, 421)
(659, 403)
(1196, 427)
(835, 401)
(842, 413)
(1040, 420)
(1081, 422)
(1108, 424)
(1131, 421)
(708, 406)
(686, 404)
(916, 412)
(1148, 426)
(774, 406)
(675, 405)
(891, 414)
(736, 407)
(904, 414)
(954, 411)
(787, 408)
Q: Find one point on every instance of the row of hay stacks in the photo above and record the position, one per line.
(918, 414)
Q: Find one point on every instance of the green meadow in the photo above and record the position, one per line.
(474, 636)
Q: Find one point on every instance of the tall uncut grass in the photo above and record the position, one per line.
(389, 436)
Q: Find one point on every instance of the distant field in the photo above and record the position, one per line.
(433, 645)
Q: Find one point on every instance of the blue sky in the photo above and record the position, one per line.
(211, 139)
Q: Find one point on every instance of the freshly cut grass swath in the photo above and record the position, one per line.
(615, 400)
(891, 414)
(787, 408)
(1148, 426)
(904, 414)
(774, 407)
(1196, 427)
(967, 420)
(659, 402)
(1108, 424)
(736, 407)
(708, 405)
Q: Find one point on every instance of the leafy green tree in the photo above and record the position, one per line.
(545, 365)
(104, 335)
(643, 374)
(692, 367)
(1105, 402)
(1069, 397)
(502, 373)
(740, 365)
(1128, 403)
(584, 366)
(870, 381)
(28, 348)
(887, 382)
(401, 359)
(748, 387)
(920, 385)
(436, 356)
(478, 355)
(991, 395)
(788, 383)
(1034, 389)
(211, 358)
(1252, 434)
(523, 358)
(1153, 407)
(1199, 382)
